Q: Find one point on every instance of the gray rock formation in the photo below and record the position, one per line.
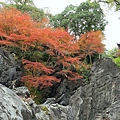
(65, 90)
(58, 112)
(22, 91)
(101, 97)
(12, 107)
(10, 70)
(98, 100)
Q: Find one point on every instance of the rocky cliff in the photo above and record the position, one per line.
(101, 97)
(98, 100)
(10, 69)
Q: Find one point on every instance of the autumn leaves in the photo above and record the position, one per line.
(43, 48)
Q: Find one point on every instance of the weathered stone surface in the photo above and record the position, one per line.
(112, 112)
(102, 92)
(75, 103)
(65, 90)
(57, 111)
(22, 91)
(12, 107)
(10, 70)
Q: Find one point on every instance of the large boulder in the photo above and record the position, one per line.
(12, 107)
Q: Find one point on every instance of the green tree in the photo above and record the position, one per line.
(81, 19)
(36, 13)
(26, 6)
(20, 2)
(111, 3)
(112, 53)
(63, 19)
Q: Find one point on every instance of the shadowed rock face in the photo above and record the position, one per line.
(65, 90)
(101, 95)
(10, 70)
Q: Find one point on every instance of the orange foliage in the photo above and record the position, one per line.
(91, 42)
(13, 21)
(71, 60)
(44, 23)
(20, 30)
(40, 76)
(17, 27)
(36, 67)
(41, 82)
(55, 39)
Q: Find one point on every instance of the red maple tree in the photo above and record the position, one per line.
(19, 30)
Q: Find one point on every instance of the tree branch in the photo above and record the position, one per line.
(104, 1)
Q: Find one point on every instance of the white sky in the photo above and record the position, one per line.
(56, 6)
(112, 29)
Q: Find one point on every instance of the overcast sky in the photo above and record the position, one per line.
(112, 29)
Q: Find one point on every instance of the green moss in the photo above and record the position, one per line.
(45, 109)
(117, 61)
